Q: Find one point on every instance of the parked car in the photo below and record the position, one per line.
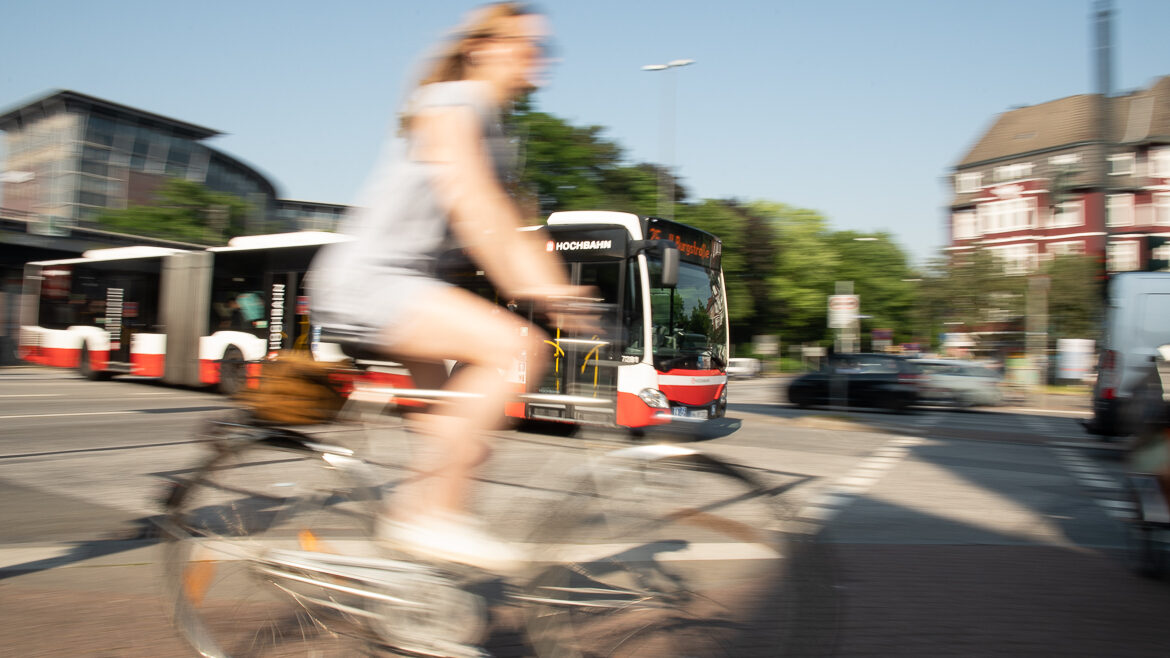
(884, 381)
(744, 367)
(1137, 321)
(959, 383)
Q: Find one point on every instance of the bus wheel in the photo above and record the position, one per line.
(233, 371)
(86, 369)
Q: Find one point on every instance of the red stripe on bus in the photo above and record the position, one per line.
(208, 371)
(633, 412)
(514, 410)
(692, 395)
(60, 357)
(146, 365)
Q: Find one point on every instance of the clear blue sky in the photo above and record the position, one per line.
(854, 108)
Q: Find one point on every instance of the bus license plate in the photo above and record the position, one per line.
(683, 412)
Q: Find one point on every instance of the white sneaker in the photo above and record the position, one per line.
(451, 538)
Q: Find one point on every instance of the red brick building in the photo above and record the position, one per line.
(1042, 182)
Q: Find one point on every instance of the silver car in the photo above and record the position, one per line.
(959, 383)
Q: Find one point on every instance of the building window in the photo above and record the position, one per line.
(1066, 248)
(968, 183)
(1012, 172)
(1065, 160)
(1016, 258)
(1119, 212)
(99, 130)
(1067, 215)
(1123, 256)
(1161, 205)
(1160, 162)
(1006, 215)
(95, 160)
(1161, 253)
(964, 225)
(1122, 164)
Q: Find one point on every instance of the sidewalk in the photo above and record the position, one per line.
(903, 600)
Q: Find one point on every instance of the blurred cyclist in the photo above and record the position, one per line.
(439, 187)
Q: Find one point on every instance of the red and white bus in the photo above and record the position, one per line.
(204, 317)
(186, 317)
(665, 350)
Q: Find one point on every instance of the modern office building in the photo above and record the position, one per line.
(1052, 179)
(70, 156)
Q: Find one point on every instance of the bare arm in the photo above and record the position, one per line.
(483, 216)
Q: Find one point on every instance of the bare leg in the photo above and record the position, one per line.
(455, 324)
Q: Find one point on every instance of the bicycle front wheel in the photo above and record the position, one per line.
(662, 552)
(246, 515)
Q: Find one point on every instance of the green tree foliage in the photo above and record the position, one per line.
(879, 271)
(970, 292)
(186, 211)
(566, 167)
(803, 272)
(1074, 297)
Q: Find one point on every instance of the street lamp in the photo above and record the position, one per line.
(666, 189)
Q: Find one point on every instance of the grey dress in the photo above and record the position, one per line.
(368, 284)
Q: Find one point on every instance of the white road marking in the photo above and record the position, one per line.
(34, 395)
(824, 506)
(84, 413)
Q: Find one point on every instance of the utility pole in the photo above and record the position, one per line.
(1103, 60)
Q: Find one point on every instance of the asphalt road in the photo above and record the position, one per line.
(997, 532)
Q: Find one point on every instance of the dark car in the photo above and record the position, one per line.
(884, 381)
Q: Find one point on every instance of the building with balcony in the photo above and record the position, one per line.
(1042, 181)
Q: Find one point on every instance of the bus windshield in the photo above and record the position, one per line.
(689, 322)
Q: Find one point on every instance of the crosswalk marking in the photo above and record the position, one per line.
(842, 492)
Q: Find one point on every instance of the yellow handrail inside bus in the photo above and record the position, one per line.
(557, 361)
(595, 352)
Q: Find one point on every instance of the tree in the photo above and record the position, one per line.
(879, 270)
(186, 211)
(971, 292)
(566, 167)
(1074, 297)
(802, 275)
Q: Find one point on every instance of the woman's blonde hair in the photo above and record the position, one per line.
(451, 62)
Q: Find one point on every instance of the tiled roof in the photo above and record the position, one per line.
(1138, 117)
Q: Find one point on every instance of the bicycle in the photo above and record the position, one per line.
(658, 549)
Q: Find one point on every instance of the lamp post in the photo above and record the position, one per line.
(665, 184)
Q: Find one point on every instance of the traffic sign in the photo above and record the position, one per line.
(843, 310)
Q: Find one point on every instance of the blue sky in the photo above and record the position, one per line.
(854, 108)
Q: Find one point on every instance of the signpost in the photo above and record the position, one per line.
(843, 315)
(843, 310)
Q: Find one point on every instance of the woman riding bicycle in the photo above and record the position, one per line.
(440, 187)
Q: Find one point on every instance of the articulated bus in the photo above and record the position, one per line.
(186, 317)
(209, 317)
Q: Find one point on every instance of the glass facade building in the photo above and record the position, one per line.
(71, 156)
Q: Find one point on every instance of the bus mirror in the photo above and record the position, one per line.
(670, 266)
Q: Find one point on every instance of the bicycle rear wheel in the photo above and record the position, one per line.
(663, 552)
(250, 511)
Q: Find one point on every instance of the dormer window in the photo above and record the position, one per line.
(1013, 172)
(1122, 164)
(968, 183)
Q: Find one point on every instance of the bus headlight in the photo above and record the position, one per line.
(654, 398)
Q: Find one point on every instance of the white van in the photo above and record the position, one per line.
(1137, 321)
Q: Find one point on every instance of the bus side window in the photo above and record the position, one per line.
(633, 329)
